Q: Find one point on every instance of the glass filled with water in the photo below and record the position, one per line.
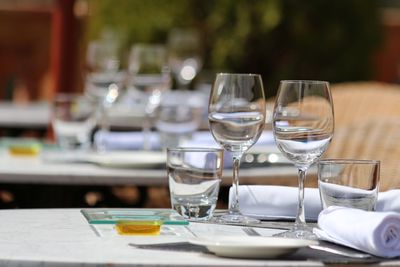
(194, 176)
(73, 120)
(349, 183)
(303, 125)
(236, 115)
(177, 118)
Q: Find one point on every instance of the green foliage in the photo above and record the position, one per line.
(281, 39)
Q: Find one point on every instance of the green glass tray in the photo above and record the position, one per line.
(113, 216)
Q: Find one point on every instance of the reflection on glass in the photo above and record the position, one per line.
(237, 118)
(184, 48)
(303, 125)
(149, 75)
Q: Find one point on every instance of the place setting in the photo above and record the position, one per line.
(344, 220)
(348, 220)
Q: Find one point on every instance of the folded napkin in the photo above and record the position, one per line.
(124, 140)
(275, 202)
(265, 201)
(377, 233)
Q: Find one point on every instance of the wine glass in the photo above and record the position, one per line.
(237, 118)
(150, 76)
(104, 79)
(184, 55)
(303, 124)
(102, 68)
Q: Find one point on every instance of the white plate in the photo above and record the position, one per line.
(128, 159)
(251, 246)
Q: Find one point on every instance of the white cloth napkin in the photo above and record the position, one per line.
(276, 202)
(124, 140)
(205, 139)
(377, 233)
(268, 202)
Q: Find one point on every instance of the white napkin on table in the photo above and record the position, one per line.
(205, 139)
(134, 140)
(270, 202)
(377, 233)
(124, 140)
(267, 201)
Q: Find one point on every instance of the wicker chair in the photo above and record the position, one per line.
(367, 126)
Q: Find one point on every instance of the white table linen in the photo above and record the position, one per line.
(377, 233)
(281, 201)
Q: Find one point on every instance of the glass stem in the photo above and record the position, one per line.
(300, 218)
(234, 204)
(146, 132)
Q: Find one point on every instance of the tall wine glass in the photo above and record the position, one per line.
(237, 118)
(185, 59)
(149, 76)
(303, 124)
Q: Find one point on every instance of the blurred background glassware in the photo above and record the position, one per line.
(178, 117)
(185, 55)
(194, 176)
(104, 81)
(103, 65)
(74, 118)
(237, 119)
(303, 124)
(149, 76)
(349, 182)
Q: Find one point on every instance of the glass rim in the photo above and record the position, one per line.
(239, 74)
(305, 81)
(349, 161)
(194, 149)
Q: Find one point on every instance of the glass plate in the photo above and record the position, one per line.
(113, 216)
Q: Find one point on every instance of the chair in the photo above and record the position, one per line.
(367, 126)
(361, 101)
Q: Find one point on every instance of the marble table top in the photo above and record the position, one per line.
(62, 237)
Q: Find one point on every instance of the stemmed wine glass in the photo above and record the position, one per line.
(237, 118)
(150, 76)
(303, 124)
(185, 57)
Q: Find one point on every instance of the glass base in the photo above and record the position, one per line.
(235, 218)
(299, 232)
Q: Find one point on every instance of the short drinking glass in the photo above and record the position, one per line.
(194, 176)
(349, 183)
(73, 120)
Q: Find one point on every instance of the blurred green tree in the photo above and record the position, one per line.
(280, 39)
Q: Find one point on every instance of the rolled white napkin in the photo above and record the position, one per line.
(268, 201)
(377, 233)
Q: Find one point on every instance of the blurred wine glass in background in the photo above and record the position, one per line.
(149, 76)
(185, 59)
(102, 67)
(104, 80)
